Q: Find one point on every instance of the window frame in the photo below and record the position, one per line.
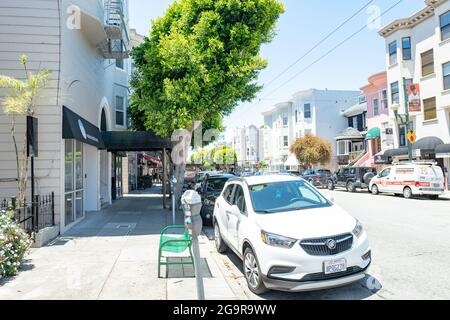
(397, 101)
(446, 76)
(425, 101)
(122, 111)
(406, 49)
(307, 114)
(424, 66)
(376, 110)
(442, 27)
(393, 52)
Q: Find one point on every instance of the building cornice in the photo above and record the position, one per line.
(412, 21)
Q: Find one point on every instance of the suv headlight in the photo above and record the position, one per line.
(358, 230)
(277, 241)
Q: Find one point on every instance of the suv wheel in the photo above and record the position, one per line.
(407, 193)
(330, 185)
(375, 190)
(220, 244)
(252, 273)
(351, 186)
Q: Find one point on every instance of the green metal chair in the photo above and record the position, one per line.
(174, 244)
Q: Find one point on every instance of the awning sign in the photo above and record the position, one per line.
(78, 128)
(414, 98)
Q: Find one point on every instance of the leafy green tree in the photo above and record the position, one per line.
(20, 101)
(263, 165)
(199, 62)
(311, 150)
(224, 155)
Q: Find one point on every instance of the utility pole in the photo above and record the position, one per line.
(405, 90)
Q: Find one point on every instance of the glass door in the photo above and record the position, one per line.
(73, 181)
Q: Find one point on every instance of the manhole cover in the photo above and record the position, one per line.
(177, 271)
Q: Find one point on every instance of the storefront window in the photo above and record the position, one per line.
(73, 181)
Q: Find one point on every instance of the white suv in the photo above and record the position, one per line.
(289, 236)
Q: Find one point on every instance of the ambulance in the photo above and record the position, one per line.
(410, 179)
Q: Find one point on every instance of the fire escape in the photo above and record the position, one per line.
(116, 46)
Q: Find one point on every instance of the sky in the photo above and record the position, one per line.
(299, 29)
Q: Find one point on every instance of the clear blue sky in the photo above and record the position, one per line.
(303, 24)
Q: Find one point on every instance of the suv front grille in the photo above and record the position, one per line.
(319, 247)
(322, 276)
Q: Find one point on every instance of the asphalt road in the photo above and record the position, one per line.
(410, 242)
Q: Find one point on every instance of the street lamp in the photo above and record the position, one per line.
(404, 119)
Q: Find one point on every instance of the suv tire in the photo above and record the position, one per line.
(330, 185)
(218, 240)
(375, 190)
(407, 193)
(252, 272)
(351, 186)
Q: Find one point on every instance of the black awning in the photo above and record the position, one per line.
(135, 141)
(396, 152)
(427, 143)
(78, 128)
(443, 148)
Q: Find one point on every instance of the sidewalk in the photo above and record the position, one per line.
(112, 254)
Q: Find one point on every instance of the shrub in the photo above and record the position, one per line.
(14, 243)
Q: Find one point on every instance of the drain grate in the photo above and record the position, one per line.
(186, 270)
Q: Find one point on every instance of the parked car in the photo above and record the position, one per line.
(210, 188)
(412, 179)
(352, 178)
(317, 177)
(289, 236)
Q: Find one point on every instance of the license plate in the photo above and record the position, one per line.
(335, 266)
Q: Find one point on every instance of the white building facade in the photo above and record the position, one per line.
(316, 112)
(418, 51)
(85, 46)
(246, 142)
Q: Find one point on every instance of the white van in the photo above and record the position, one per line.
(410, 179)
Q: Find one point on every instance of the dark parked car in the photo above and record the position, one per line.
(317, 177)
(210, 189)
(352, 178)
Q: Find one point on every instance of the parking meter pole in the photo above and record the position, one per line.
(172, 189)
(198, 272)
(192, 206)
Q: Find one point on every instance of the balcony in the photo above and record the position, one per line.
(116, 46)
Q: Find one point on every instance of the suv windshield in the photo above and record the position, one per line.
(286, 196)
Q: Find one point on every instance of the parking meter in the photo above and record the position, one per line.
(192, 206)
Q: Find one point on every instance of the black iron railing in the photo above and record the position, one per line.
(32, 216)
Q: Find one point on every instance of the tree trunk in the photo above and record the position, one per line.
(179, 173)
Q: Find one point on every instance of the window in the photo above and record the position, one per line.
(73, 181)
(384, 99)
(239, 199)
(445, 26)
(402, 135)
(296, 116)
(362, 99)
(120, 111)
(429, 109)
(393, 53)
(342, 148)
(307, 108)
(376, 107)
(385, 173)
(395, 95)
(297, 195)
(285, 121)
(286, 141)
(228, 193)
(446, 73)
(427, 63)
(119, 63)
(406, 48)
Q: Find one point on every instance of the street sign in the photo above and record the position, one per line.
(412, 138)
(414, 98)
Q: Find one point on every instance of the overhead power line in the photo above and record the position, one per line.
(320, 42)
(245, 111)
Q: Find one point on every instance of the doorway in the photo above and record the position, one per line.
(73, 182)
